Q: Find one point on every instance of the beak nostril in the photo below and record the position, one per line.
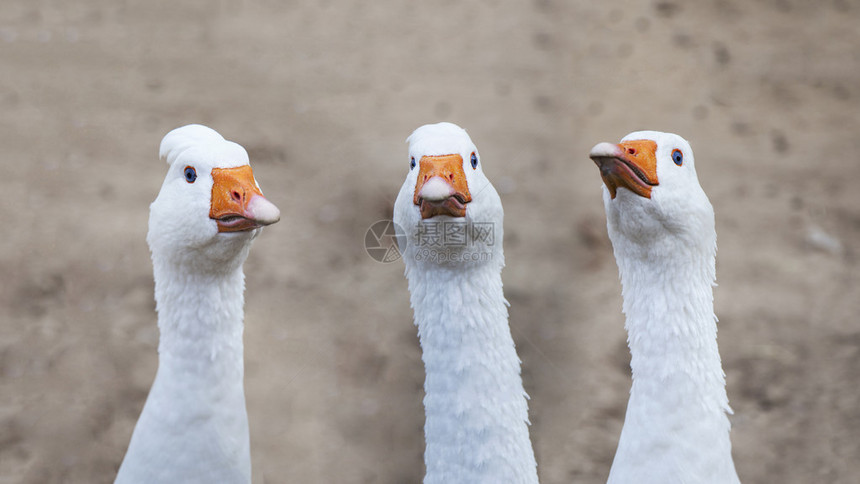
(451, 176)
(632, 151)
(236, 195)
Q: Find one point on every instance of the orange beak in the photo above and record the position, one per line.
(629, 164)
(442, 187)
(237, 202)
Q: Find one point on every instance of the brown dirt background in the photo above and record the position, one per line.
(323, 93)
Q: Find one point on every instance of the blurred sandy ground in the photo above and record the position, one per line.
(323, 94)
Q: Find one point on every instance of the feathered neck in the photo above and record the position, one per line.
(194, 425)
(476, 426)
(200, 315)
(676, 428)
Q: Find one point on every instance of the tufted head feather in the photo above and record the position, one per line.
(202, 145)
(440, 139)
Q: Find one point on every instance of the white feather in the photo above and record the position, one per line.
(476, 426)
(676, 429)
(194, 426)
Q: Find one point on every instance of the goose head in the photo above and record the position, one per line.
(210, 207)
(447, 207)
(651, 190)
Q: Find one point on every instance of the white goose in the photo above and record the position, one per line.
(662, 229)
(476, 426)
(194, 427)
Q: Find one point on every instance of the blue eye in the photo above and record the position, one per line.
(190, 174)
(412, 163)
(678, 157)
(474, 161)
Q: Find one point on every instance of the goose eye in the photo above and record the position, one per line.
(190, 174)
(474, 161)
(412, 163)
(678, 157)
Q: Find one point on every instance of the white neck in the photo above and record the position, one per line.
(200, 319)
(194, 423)
(476, 426)
(676, 428)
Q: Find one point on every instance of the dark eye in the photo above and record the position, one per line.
(412, 163)
(678, 157)
(190, 174)
(474, 161)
